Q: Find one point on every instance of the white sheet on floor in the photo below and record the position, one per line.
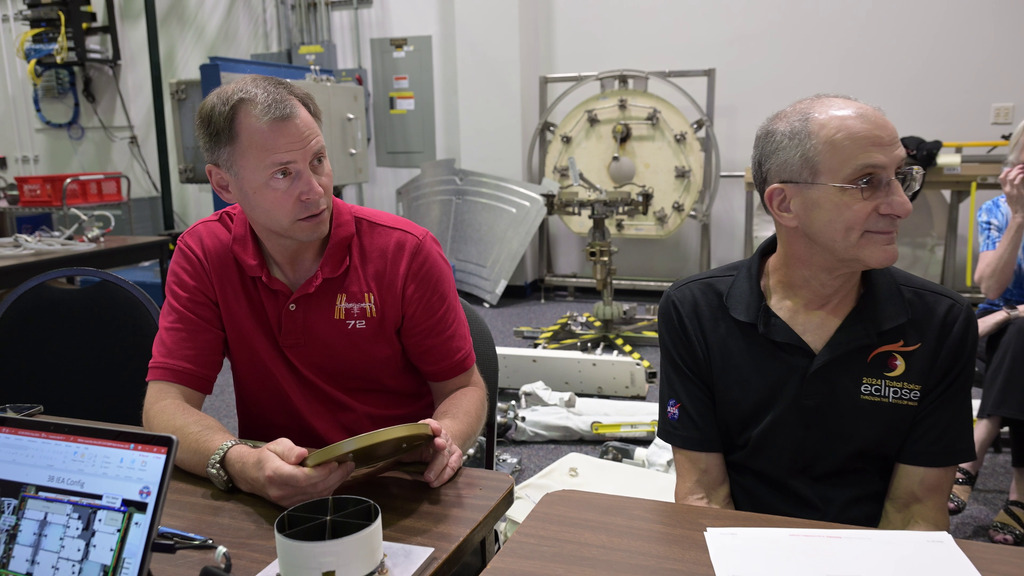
(577, 471)
(540, 394)
(658, 457)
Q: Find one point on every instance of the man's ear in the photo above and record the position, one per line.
(778, 199)
(221, 182)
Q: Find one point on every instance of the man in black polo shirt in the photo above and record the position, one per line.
(813, 379)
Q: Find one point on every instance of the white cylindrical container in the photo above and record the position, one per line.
(339, 534)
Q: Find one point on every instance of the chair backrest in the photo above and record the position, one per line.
(487, 363)
(81, 349)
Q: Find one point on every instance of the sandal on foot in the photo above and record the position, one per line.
(1009, 522)
(962, 487)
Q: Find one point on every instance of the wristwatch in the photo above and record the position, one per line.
(1011, 311)
(215, 467)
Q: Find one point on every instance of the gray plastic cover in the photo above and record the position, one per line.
(484, 223)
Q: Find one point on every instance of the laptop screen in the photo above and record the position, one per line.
(80, 499)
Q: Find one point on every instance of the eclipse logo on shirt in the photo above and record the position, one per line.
(896, 364)
(891, 391)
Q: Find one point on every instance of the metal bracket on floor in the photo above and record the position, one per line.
(574, 371)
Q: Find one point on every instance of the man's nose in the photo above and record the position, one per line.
(896, 201)
(309, 186)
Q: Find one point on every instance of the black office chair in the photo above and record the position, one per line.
(487, 363)
(81, 349)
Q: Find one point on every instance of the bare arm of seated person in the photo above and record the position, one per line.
(272, 471)
(917, 498)
(992, 322)
(701, 479)
(460, 410)
(996, 267)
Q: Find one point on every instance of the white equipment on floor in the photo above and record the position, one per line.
(545, 415)
(573, 371)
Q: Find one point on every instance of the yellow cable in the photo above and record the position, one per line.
(983, 144)
(61, 53)
(970, 233)
(35, 78)
(20, 52)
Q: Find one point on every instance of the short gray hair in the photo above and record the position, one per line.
(267, 98)
(786, 146)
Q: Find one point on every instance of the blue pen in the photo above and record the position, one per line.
(174, 534)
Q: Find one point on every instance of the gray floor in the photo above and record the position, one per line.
(528, 309)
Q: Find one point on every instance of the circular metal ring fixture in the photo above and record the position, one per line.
(629, 155)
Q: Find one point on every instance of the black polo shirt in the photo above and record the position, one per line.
(816, 435)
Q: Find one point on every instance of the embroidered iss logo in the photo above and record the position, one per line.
(672, 410)
(367, 308)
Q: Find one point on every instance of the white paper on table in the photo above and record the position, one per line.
(792, 552)
(401, 559)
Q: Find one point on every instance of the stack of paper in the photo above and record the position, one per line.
(792, 552)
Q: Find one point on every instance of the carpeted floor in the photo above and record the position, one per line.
(528, 309)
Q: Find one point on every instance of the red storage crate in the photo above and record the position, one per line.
(45, 190)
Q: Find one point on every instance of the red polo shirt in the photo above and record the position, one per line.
(350, 351)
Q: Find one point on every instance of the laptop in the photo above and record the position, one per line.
(80, 499)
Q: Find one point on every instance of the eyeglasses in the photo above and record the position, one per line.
(910, 179)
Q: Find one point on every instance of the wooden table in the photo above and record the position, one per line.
(572, 532)
(113, 251)
(453, 519)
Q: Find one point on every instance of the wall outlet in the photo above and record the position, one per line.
(1002, 114)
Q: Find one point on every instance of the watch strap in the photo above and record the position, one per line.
(215, 466)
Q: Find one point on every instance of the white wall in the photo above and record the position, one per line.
(935, 67)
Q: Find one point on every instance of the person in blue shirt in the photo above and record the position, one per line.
(1000, 275)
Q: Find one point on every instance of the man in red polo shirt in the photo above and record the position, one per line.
(337, 319)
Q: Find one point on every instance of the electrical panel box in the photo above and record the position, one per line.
(344, 115)
(403, 101)
(320, 54)
(343, 106)
(186, 96)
